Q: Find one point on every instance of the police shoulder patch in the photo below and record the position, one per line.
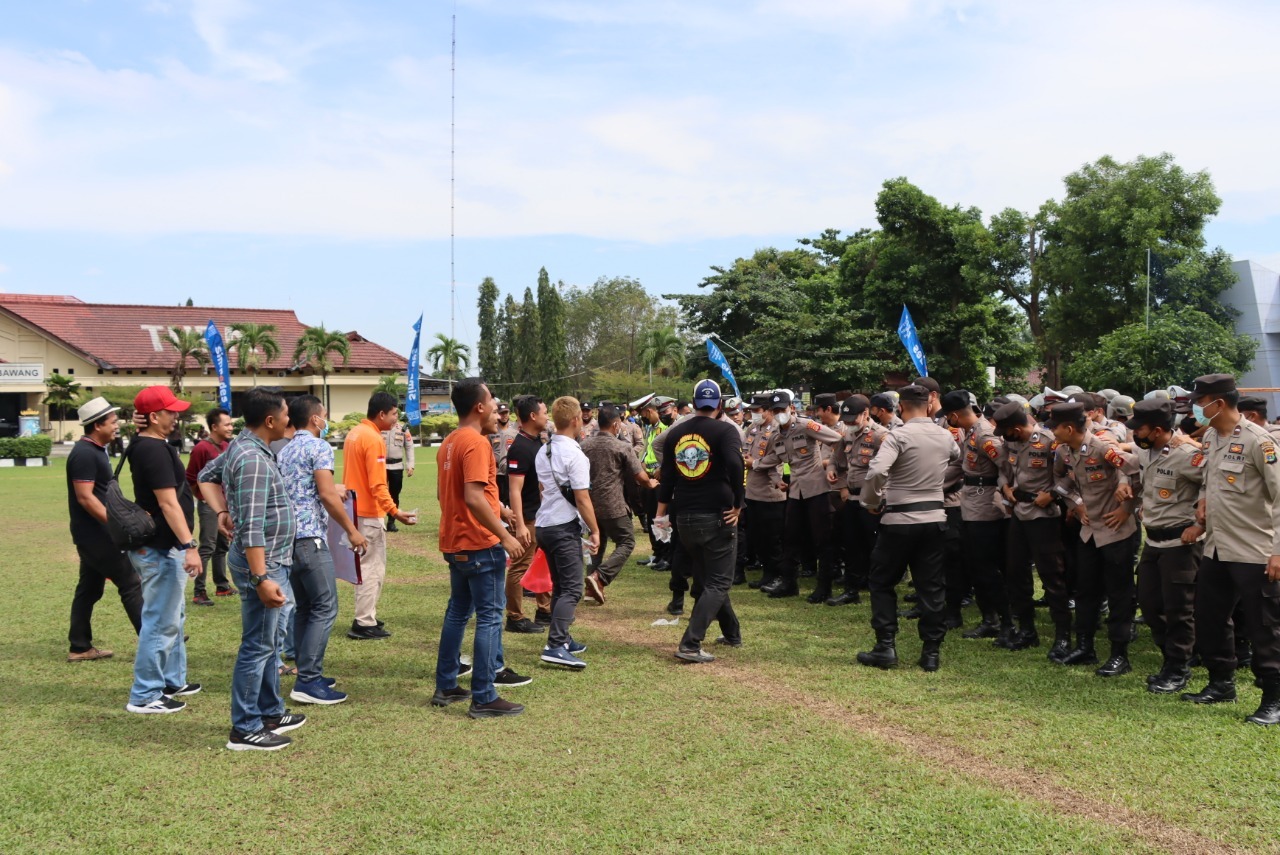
(1269, 452)
(1114, 458)
(1197, 459)
(814, 426)
(992, 450)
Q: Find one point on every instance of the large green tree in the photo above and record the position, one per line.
(508, 344)
(60, 392)
(316, 347)
(189, 344)
(553, 363)
(1181, 344)
(448, 357)
(255, 346)
(488, 343)
(603, 324)
(525, 354)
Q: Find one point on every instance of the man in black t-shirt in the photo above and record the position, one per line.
(702, 475)
(525, 499)
(88, 474)
(160, 488)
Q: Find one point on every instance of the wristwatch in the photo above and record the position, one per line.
(256, 580)
(191, 545)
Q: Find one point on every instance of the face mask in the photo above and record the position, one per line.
(667, 419)
(1197, 412)
(757, 418)
(783, 418)
(324, 431)
(1143, 442)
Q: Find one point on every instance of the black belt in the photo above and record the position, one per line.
(909, 507)
(1161, 534)
(1025, 495)
(946, 494)
(980, 481)
(855, 492)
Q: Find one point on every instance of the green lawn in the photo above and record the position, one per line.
(785, 744)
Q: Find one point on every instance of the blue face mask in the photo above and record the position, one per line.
(1197, 413)
(324, 431)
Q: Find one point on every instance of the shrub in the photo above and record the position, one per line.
(22, 447)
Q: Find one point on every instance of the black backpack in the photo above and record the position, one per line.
(129, 525)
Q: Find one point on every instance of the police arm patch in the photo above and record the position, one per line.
(991, 449)
(1269, 452)
(1114, 458)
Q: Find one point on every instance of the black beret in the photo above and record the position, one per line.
(1153, 412)
(913, 394)
(929, 383)
(1010, 415)
(1212, 384)
(956, 400)
(1068, 412)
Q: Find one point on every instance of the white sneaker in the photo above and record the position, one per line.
(160, 706)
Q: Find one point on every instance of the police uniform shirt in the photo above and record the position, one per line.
(399, 446)
(763, 482)
(501, 442)
(797, 445)
(981, 465)
(909, 468)
(634, 437)
(590, 428)
(1028, 470)
(831, 456)
(1242, 494)
(1090, 477)
(954, 477)
(860, 446)
(1171, 481)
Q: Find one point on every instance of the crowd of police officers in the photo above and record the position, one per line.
(971, 500)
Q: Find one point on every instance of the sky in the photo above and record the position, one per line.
(296, 153)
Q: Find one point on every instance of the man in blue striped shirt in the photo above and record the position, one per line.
(263, 524)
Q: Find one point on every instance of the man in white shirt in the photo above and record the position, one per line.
(564, 474)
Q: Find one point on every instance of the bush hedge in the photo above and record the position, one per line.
(22, 447)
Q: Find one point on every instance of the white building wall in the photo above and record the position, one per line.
(1256, 296)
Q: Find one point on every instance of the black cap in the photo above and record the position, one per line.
(1010, 415)
(1253, 404)
(780, 399)
(763, 401)
(929, 383)
(1212, 384)
(994, 404)
(883, 401)
(956, 400)
(853, 406)
(586, 405)
(915, 394)
(1154, 412)
(1067, 412)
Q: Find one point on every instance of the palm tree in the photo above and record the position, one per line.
(315, 345)
(449, 357)
(392, 385)
(189, 344)
(255, 347)
(664, 350)
(60, 392)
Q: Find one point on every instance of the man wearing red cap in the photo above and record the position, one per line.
(160, 488)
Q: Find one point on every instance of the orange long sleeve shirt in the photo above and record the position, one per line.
(364, 470)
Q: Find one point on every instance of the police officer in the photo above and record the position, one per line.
(399, 447)
(651, 428)
(808, 511)
(1089, 469)
(1026, 480)
(862, 439)
(766, 493)
(501, 441)
(904, 487)
(1171, 555)
(1255, 410)
(589, 426)
(1241, 512)
(982, 526)
(884, 410)
(827, 409)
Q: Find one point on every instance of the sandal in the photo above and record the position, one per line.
(288, 671)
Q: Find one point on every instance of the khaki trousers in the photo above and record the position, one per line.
(373, 569)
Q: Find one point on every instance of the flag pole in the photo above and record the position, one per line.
(1148, 290)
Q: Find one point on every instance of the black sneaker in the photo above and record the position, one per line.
(444, 697)
(464, 668)
(281, 723)
(726, 642)
(160, 706)
(507, 677)
(263, 740)
(362, 633)
(494, 709)
(525, 626)
(542, 618)
(188, 689)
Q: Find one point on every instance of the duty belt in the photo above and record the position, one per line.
(980, 481)
(913, 506)
(1025, 495)
(1158, 535)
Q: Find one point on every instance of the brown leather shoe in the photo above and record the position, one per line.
(595, 590)
(89, 655)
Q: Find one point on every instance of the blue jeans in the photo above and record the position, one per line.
(162, 656)
(477, 583)
(286, 644)
(315, 590)
(255, 682)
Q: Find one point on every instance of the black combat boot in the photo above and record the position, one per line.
(849, 597)
(930, 656)
(1084, 653)
(1221, 688)
(952, 618)
(1025, 637)
(989, 628)
(1269, 711)
(676, 606)
(820, 593)
(1173, 677)
(883, 655)
(1006, 637)
(1061, 646)
(1117, 664)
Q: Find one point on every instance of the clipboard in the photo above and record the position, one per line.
(346, 563)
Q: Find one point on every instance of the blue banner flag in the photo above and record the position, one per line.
(411, 402)
(911, 341)
(717, 359)
(213, 340)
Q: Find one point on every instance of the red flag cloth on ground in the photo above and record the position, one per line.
(538, 577)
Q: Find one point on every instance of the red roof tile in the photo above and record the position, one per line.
(121, 337)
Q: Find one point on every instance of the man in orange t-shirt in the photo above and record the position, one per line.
(364, 472)
(475, 544)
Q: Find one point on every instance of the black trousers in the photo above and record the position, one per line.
(810, 526)
(395, 483)
(1038, 541)
(857, 529)
(955, 570)
(766, 530)
(563, 547)
(1167, 594)
(984, 548)
(98, 563)
(920, 545)
(710, 545)
(650, 498)
(1105, 571)
(1220, 586)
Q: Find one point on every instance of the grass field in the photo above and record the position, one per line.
(784, 744)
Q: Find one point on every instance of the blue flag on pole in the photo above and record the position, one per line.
(717, 359)
(911, 341)
(217, 350)
(411, 402)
